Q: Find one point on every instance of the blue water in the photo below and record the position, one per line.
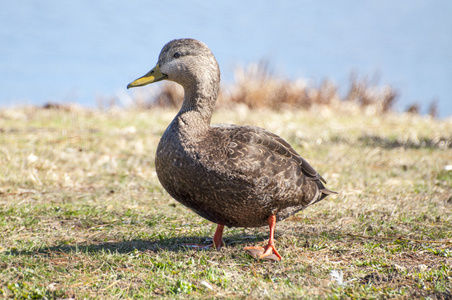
(75, 51)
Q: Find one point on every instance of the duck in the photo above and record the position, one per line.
(234, 176)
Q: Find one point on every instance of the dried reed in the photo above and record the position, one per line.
(256, 86)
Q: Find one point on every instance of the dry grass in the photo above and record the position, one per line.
(256, 87)
(83, 215)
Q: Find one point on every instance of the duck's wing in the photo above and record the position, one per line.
(306, 168)
(253, 150)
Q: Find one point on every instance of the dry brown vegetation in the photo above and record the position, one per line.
(256, 87)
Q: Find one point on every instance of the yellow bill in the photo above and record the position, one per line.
(153, 75)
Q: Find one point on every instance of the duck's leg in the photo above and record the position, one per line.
(218, 237)
(217, 240)
(270, 248)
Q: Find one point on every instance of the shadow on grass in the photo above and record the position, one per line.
(387, 143)
(175, 244)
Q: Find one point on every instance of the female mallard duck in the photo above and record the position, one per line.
(241, 176)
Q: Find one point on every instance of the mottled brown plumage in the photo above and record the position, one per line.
(231, 175)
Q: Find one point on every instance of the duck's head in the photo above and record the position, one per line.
(188, 62)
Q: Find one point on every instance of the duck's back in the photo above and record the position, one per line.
(236, 175)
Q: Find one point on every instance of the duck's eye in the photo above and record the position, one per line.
(176, 55)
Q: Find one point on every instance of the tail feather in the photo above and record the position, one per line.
(328, 192)
(324, 192)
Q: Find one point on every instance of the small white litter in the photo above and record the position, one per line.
(337, 276)
(206, 284)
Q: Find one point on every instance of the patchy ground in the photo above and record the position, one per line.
(82, 214)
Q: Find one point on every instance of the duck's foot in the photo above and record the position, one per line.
(217, 241)
(268, 252)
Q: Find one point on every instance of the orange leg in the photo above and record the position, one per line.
(217, 240)
(270, 248)
(218, 237)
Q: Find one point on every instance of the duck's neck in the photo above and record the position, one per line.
(199, 102)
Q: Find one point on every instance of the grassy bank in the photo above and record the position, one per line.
(82, 214)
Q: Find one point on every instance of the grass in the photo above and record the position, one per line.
(82, 214)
